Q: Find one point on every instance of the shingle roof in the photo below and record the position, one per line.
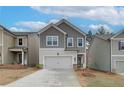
(5, 29)
(105, 37)
(23, 33)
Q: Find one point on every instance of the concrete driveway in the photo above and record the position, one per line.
(48, 78)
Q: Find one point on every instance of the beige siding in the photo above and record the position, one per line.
(0, 54)
(99, 55)
(73, 33)
(33, 49)
(51, 32)
(8, 41)
(24, 41)
(0, 37)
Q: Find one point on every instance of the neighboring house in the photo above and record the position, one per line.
(99, 54)
(107, 53)
(62, 45)
(18, 47)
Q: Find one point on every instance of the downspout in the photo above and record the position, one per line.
(110, 55)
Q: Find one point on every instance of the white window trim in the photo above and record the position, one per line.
(72, 41)
(52, 40)
(18, 41)
(82, 42)
(118, 46)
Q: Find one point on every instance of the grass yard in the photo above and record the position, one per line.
(9, 73)
(93, 78)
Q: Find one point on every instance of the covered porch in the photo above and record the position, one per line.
(20, 55)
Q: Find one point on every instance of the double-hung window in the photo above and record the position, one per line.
(69, 42)
(80, 42)
(51, 40)
(121, 45)
(20, 42)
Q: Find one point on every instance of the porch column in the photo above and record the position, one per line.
(84, 64)
(23, 58)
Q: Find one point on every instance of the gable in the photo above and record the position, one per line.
(70, 25)
(51, 26)
(121, 35)
(69, 30)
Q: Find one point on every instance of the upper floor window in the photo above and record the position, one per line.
(69, 42)
(51, 40)
(121, 45)
(80, 42)
(20, 41)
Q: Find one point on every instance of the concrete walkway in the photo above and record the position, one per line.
(48, 78)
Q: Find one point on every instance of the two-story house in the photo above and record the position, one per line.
(107, 53)
(62, 45)
(18, 47)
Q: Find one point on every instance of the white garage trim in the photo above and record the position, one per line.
(58, 56)
(51, 49)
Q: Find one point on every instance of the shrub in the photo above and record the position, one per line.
(39, 66)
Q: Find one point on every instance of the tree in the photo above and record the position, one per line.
(89, 36)
(101, 31)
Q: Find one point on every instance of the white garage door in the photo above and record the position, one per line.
(120, 66)
(58, 62)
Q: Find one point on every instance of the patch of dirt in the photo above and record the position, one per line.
(14, 66)
(86, 74)
(10, 73)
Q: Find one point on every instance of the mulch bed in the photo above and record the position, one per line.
(87, 73)
(12, 66)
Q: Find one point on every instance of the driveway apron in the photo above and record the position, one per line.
(48, 78)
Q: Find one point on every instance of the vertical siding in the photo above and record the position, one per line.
(0, 37)
(51, 32)
(0, 54)
(24, 40)
(33, 49)
(0, 46)
(99, 56)
(8, 41)
(73, 33)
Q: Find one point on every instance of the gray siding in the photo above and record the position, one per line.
(116, 52)
(51, 32)
(73, 33)
(99, 55)
(115, 48)
(33, 49)
(120, 35)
